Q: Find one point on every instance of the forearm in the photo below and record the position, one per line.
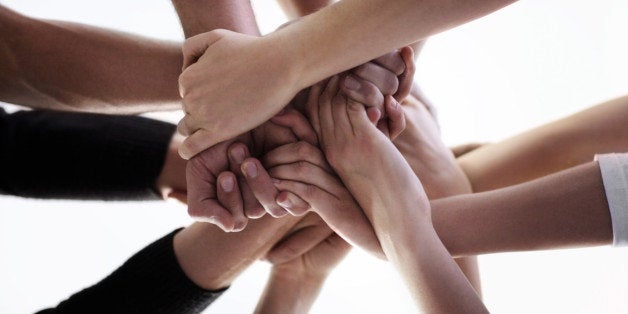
(364, 30)
(563, 210)
(435, 281)
(151, 281)
(298, 8)
(199, 16)
(550, 148)
(78, 67)
(212, 258)
(51, 154)
(289, 292)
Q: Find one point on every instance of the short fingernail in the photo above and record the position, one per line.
(227, 184)
(285, 203)
(239, 226)
(250, 169)
(238, 154)
(351, 83)
(214, 221)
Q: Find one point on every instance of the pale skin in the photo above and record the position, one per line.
(393, 199)
(69, 66)
(563, 210)
(230, 65)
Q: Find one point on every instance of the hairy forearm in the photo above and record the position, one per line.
(72, 66)
(199, 16)
(562, 144)
(563, 210)
(365, 29)
(212, 258)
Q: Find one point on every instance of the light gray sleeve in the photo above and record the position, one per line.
(614, 169)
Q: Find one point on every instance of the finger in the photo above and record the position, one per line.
(293, 152)
(238, 152)
(311, 107)
(229, 197)
(339, 112)
(262, 186)
(292, 203)
(407, 77)
(298, 124)
(298, 243)
(392, 61)
(183, 128)
(307, 173)
(385, 80)
(396, 117)
(340, 212)
(199, 141)
(363, 91)
(374, 115)
(324, 108)
(358, 119)
(201, 196)
(194, 47)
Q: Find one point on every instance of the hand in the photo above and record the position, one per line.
(430, 159)
(258, 194)
(309, 248)
(225, 75)
(171, 180)
(295, 283)
(301, 173)
(216, 172)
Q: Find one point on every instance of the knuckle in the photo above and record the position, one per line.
(302, 149)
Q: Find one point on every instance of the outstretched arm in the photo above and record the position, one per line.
(559, 145)
(70, 66)
(332, 40)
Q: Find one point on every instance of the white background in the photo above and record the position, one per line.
(526, 65)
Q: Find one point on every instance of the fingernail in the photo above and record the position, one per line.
(227, 184)
(239, 226)
(238, 154)
(351, 83)
(213, 220)
(286, 203)
(250, 169)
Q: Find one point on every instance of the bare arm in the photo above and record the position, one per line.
(198, 16)
(388, 26)
(61, 65)
(562, 210)
(550, 148)
(299, 8)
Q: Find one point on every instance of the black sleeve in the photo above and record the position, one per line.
(49, 154)
(149, 282)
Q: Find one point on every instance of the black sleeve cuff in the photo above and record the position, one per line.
(149, 282)
(48, 154)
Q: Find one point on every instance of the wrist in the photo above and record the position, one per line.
(172, 175)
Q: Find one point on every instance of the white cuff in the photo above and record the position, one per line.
(614, 169)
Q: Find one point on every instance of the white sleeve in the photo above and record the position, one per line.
(614, 169)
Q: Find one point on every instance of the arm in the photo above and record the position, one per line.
(562, 210)
(87, 156)
(236, 64)
(550, 148)
(198, 16)
(299, 8)
(394, 201)
(294, 284)
(61, 65)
